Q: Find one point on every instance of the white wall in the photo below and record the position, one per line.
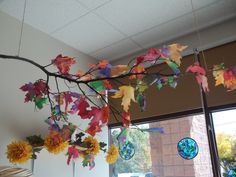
(17, 119)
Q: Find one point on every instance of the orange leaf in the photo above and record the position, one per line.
(138, 69)
(174, 52)
(119, 69)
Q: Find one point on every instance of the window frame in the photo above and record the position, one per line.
(209, 124)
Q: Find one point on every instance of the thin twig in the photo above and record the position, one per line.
(87, 96)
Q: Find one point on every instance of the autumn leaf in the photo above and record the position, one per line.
(107, 84)
(138, 69)
(202, 80)
(126, 119)
(83, 76)
(218, 75)
(119, 69)
(196, 69)
(141, 100)
(175, 52)
(36, 92)
(101, 64)
(230, 80)
(81, 106)
(127, 94)
(63, 64)
(98, 86)
(200, 75)
(140, 59)
(99, 115)
(141, 86)
(152, 54)
(173, 66)
(93, 129)
(40, 102)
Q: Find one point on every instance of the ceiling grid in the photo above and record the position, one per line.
(116, 28)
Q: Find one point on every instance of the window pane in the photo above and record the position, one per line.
(157, 155)
(225, 130)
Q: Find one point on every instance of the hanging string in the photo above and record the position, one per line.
(21, 30)
(73, 169)
(196, 27)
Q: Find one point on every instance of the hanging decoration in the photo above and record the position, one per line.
(232, 172)
(225, 77)
(64, 104)
(126, 148)
(187, 148)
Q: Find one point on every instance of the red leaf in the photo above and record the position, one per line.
(63, 63)
(93, 129)
(126, 119)
(38, 89)
(200, 75)
(196, 69)
(99, 115)
(107, 84)
(140, 59)
(152, 54)
(81, 106)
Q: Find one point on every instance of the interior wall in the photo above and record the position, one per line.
(19, 119)
(186, 96)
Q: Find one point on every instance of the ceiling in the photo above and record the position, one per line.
(115, 28)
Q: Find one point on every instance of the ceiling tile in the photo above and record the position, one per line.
(216, 13)
(92, 4)
(117, 50)
(134, 16)
(49, 15)
(209, 15)
(165, 32)
(14, 8)
(202, 3)
(45, 15)
(88, 34)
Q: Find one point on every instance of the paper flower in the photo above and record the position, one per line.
(19, 152)
(93, 145)
(55, 143)
(112, 154)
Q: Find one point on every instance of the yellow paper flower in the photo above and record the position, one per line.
(94, 145)
(112, 154)
(19, 152)
(55, 143)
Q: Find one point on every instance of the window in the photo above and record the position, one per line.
(156, 154)
(225, 131)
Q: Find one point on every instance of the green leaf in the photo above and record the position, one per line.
(39, 102)
(141, 86)
(97, 85)
(159, 86)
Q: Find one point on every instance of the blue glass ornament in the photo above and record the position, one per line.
(187, 148)
(232, 172)
(126, 150)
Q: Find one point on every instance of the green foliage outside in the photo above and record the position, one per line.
(226, 145)
(141, 161)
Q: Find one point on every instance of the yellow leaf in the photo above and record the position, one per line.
(127, 92)
(219, 76)
(174, 52)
